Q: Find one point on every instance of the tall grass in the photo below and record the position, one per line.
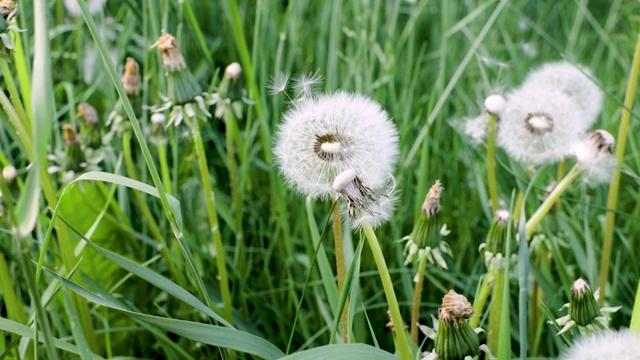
(122, 262)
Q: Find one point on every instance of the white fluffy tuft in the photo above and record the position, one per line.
(535, 145)
(573, 81)
(594, 154)
(606, 345)
(495, 103)
(369, 142)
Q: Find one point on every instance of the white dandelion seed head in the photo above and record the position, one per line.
(539, 124)
(595, 155)
(305, 85)
(377, 211)
(278, 83)
(325, 135)
(573, 81)
(343, 179)
(495, 104)
(605, 345)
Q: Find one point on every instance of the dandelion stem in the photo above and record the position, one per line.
(209, 197)
(614, 185)
(481, 300)
(495, 313)
(417, 298)
(403, 349)
(164, 167)
(340, 266)
(491, 163)
(544, 208)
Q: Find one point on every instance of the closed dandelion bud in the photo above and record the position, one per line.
(574, 82)
(9, 174)
(90, 126)
(233, 71)
(230, 87)
(540, 124)
(595, 156)
(74, 158)
(182, 86)
(7, 9)
(455, 339)
(498, 232)
(583, 308)
(131, 77)
(494, 104)
(427, 231)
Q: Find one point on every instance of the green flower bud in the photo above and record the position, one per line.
(498, 232)
(182, 86)
(427, 231)
(455, 339)
(583, 308)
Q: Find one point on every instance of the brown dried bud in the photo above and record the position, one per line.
(455, 306)
(171, 56)
(131, 77)
(431, 204)
(89, 113)
(70, 135)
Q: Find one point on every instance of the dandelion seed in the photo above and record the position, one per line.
(614, 345)
(539, 124)
(574, 82)
(328, 134)
(278, 83)
(595, 156)
(304, 85)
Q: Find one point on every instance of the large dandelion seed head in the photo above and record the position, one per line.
(324, 135)
(594, 153)
(601, 345)
(573, 81)
(540, 124)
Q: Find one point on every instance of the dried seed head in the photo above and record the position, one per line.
(495, 104)
(89, 113)
(171, 56)
(7, 7)
(131, 77)
(233, 71)
(70, 135)
(456, 306)
(431, 204)
(502, 216)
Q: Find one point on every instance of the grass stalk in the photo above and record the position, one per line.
(13, 94)
(164, 168)
(614, 184)
(402, 343)
(417, 299)
(481, 299)
(495, 311)
(209, 197)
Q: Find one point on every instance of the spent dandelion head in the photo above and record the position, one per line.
(90, 126)
(594, 154)
(131, 77)
(425, 239)
(573, 81)
(583, 310)
(325, 135)
(184, 95)
(539, 124)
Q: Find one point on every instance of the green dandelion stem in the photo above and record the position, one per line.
(614, 185)
(213, 218)
(417, 298)
(403, 349)
(491, 163)
(544, 208)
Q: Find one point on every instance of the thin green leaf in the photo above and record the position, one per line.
(342, 352)
(28, 205)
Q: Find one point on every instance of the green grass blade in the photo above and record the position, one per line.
(28, 204)
(342, 352)
(208, 334)
(76, 328)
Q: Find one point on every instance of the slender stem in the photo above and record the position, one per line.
(544, 208)
(481, 299)
(491, 163)
(230, 131)
(402, 345)
(417, 298)
(213, 218)
(14, 119)
(614, 185)
(495, 313)
(340, 266)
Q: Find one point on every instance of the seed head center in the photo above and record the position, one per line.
(329, 147)
(539, 123)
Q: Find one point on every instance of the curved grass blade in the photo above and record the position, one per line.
(342, 352)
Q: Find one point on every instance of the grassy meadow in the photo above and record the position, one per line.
(169, 232)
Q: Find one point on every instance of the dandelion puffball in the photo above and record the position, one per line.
(604, 345)
(324, 135)
(573, 81)
(594, 153)
(540, 124)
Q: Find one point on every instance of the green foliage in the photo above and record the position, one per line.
(146, 281)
